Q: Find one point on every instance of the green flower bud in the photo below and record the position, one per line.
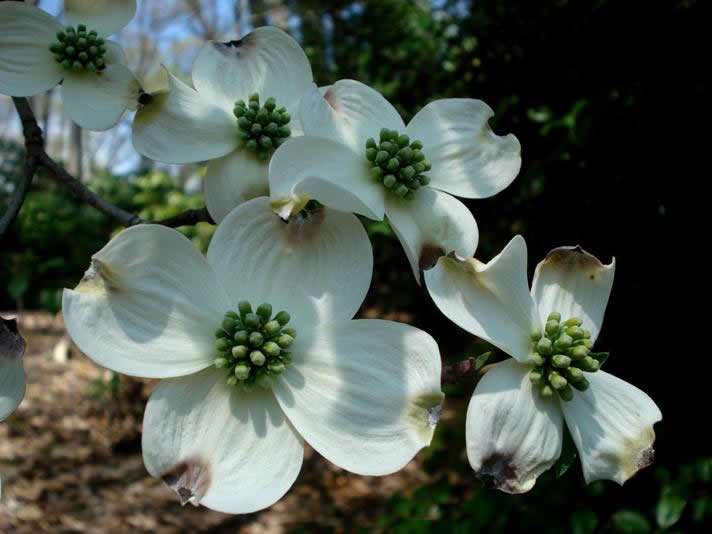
(392, 164)
(270, 104)
(232, 315)
(581, 385)
(275, 368)
(252, 321)
(578, 353)
(220, 333)
(67, 64)
(537, 359)
(231, 380)
(385, 134)
(586, 334)
(285, 340)
(371, 143)
(419, 167)
(418, 156)
(271, 349)
(389, 147)
(82, 42)
(61, 36)
(551, 328)
(575, 332)
(389, 181)
(563, 343)
(405, 153)
(401, 190)
(244, 307)
(240, 352)
(93, 51)
(220, 363)
(256, 339)
(257, 358)
(382, 156)
(573, 321)
(574, 374)
(427, 164)
(284, 131)
(256, 128)
(560, 361)
(282, 317)
(377, 173)
(403, 140)
(241, 337)
(544, 346)
(229, 325)
(285, 118)
(535, 376)
(265, 311)
(536, 335)
(566, 393)
(371, 154)
(81, 28)
(588, 364)
(222, 344)
(407, 172)
(242, 371)
(290, 332)
(244, 122)
(70, 51)
(265, 142)
(424, 180)
(264, 381)
(416, 145)
(554, 316)
(546, 391)
(584, 342)
(271, 328)
(556, 380)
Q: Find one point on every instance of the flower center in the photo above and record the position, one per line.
(262, 129)
(398, 163)
(78, 50)
(562, 353)
(253, 346)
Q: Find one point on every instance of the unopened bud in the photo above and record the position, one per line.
(544, 346)
(257, 358)
(244, 307)
(220, 362)
(560, 361)
(579, 352)
(566, 393)
(536, 335)
(240, 352)
(256, 339)
(581, 385)
(551, 328)
(241, 337)
(554, 316)
(556, 380)
(271, 348)
(242, 371)
(573, 321)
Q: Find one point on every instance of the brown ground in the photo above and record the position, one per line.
(70, 461)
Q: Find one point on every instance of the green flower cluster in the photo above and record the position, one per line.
(561, 355)
(398, 163)
(79, 50)
(253, 346)
(262, 128)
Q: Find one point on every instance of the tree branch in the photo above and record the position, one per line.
(38, 157)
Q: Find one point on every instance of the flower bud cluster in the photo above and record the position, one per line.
(562, 353)
(398, 163)
(253, 346)
(79, 50)
(262, 129)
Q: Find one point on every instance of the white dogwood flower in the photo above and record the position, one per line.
(37, 52)
(515, 417)
(12, 373)
(240, 110)
(243, 386)
(357, 155)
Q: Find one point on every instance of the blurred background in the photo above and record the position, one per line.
(607, 99)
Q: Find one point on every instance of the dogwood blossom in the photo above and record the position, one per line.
(245, 93)
(243, 386)
(358, 155)
(515, 417)
(12, 373)
(37, 52)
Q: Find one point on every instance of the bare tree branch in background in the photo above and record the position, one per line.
(37, 157)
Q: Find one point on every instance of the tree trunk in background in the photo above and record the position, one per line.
(74, 165)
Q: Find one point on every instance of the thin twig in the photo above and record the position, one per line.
(37, 157)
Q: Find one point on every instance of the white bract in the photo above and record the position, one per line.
(357, 155)
(37, 52)
(186, 125)
(515, 418)
(12, 373)
(225, 428)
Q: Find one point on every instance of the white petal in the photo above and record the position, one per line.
(574, 283)
(12, 384)
(266, 61)
(316, 268)
(612, 426)
(491, 301)
(96, 101)
(233, 179)
(103, 16)
(431, 225)
(148, 305)
(114, 53)
(182, 126)
(27, 67)
(220, 447)
(469, 159)
(365, 394)
(348, 112)
(327, 171)
(513, 435)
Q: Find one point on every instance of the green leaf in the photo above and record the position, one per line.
(568, 455)
(669, 510)
(482, 359)
(631, 522)
(18, 285)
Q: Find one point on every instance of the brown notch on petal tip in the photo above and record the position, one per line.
(429, 256)
(144, 98)
(303, 225)
(190, 479)
(573, 258)
(498, 472)
(331, 99)
(12, 344)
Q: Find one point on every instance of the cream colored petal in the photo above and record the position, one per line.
(490, 300)
(612, 426)
(103, 16)
(512, 434)
(27, 67)
(574, 283)
(365, 394)
(215, 445)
